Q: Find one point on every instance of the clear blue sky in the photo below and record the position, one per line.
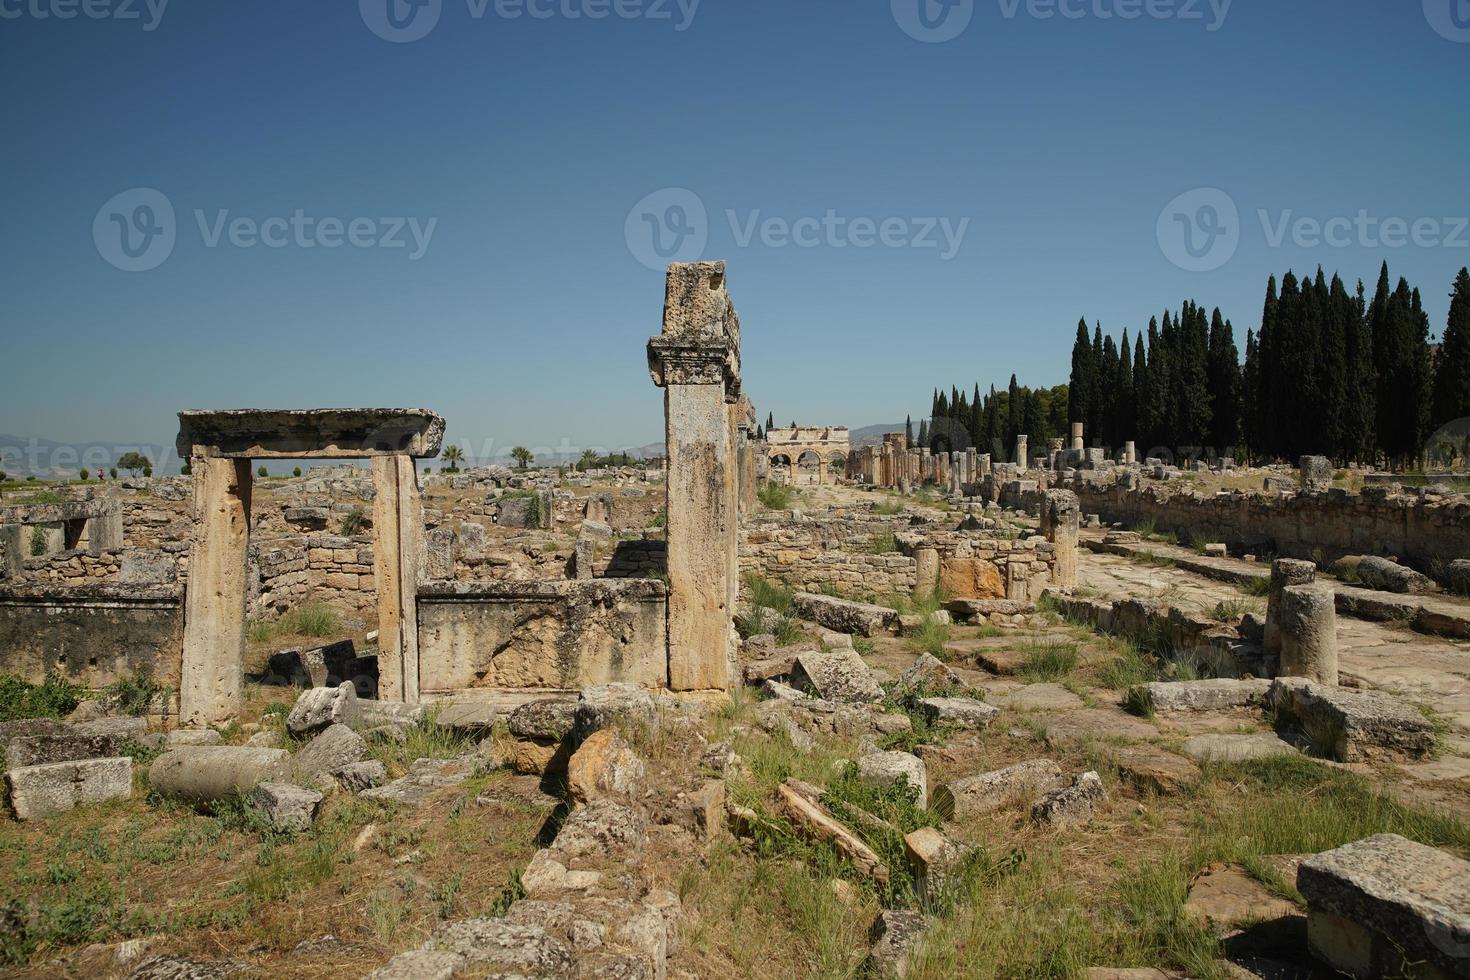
(529, 140)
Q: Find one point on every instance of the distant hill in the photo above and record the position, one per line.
(21, 457)
(872, 435)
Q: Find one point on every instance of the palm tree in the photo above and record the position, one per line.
(589, 459)
(454, 455)
(523, 456)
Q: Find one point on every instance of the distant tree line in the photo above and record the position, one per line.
(1329, 372)
(992, 421)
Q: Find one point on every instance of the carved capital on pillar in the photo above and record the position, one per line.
(683, 360)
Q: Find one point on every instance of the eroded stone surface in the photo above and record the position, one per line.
(836, 675)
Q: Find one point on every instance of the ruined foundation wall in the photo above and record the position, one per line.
(548, 635)
(1335, 523)
(94, 635)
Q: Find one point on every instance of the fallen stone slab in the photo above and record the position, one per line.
(1377, 905)
(600, 828)
(423, 779)
(191, 736)
(119, 728)
(316, 762)
(895, 937)
(605, 705)
(358, 776)
(374, 714)
(420, 964)
(1353, 725)
(964, 713)
(1386, 576)
(929, 674)
(1096, 723)
(1155, 770)
(1071, 806)
(40, 791)
(473, 718)
(1213, 747)
(286, 807)
(772, 668)
(319, 707)
(200, 773)
(40, 750)
(968, 609)
(29, 727)
(990, 791)
(550, 719)
(187, 968)
(932, 858)
(1002, 663)
(1216, 694)
(836, 675)
(885, 769)
(844, 615)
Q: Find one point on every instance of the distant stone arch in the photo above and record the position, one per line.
(819, 452)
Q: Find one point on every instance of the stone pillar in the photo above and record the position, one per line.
(821, 471)
(1061, 523)
(696, 360)
(211, 688)
(926, 578)
(1021, 451)
(1077, 436)
(1307, 621)
(399, 558)
(1130, 453)
(1284, 572)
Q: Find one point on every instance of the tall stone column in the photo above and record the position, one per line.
(696, 360)
(399, 559)
(1061, 523)
(212, 681)
(1077, 436)
(1284, 572)
(1021, 452)
(1130, 453)
(926, 578)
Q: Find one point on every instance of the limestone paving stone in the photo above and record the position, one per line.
(1214, 694)
(1213, 747)
(836, 675)
(1039, 697)
(1352, 725)
(963, 713)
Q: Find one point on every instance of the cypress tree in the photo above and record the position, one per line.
(1140, 385)
(1452, 372)
(1332, 365)
(1107, 392)
(1094, 419)
(1079, 389)
(1192, 391)
(1360, 426)
(1250, 387)
(1223, 370)
(770, 421)
(1124, 407)
(908, 430)
(1015, 412)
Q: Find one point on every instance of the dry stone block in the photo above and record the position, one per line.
(1381, 903)
(1214, 747)
(549, 720)
(286, 807)
(40, 791)
(322, 706)
(928, 673)
(932, 858)
(192, 736)
(498, 946)
(895, 937)
(844, 615)
(358, 776)
(836, 675)
(40, 750)
(965, 713)
(971, 578)
(1071, 806)
(1154, 770)
(990, 791)
(1208, 695)
(1353, 726)
(604, 767)
(420, 964)
(316, 761)
(605, 705)
(885, 769)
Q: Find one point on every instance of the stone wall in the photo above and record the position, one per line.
(1417, 527)
(541, 635)
(94, 634)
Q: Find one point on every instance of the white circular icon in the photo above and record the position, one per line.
(135, 231)
(1199, 230)
(933, 21)
(670, 225)
(401, 21)
(1449, 18)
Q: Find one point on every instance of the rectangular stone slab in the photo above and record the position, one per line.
(1406, 895)
(40, 791)
(320, 433)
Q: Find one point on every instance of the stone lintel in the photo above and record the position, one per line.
(631, 589)
(322, 433)
(100, 595)
(71, 510)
